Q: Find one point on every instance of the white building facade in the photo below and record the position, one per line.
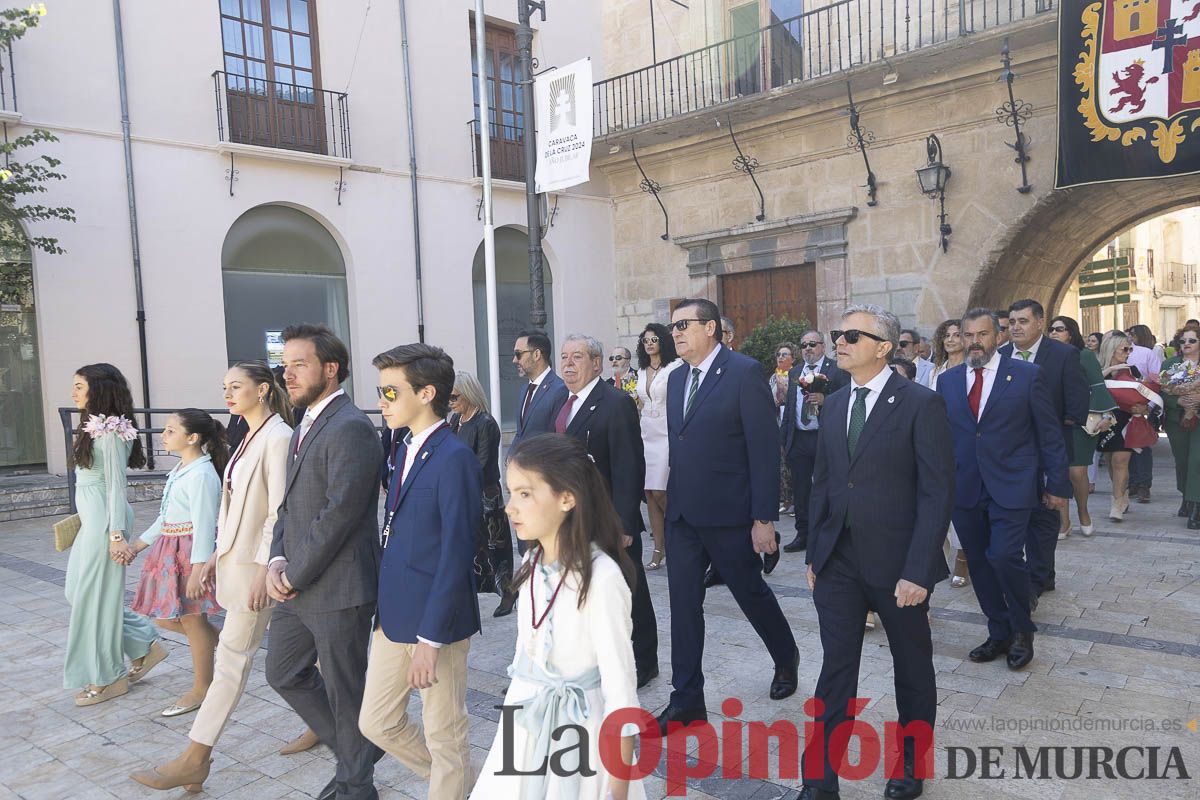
(270, 160)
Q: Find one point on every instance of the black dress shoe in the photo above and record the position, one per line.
(796, 545)
(506, 605)
(1185, 508)
(904, 788)
(1049, 587)
(989, 650)
(1020, 650)
(329, 792)
(785, 681)
(771, 559)
(813, 793)
(1194, 517)
(1033, 600)
(713, 578)
(645, 676)
(684, 716)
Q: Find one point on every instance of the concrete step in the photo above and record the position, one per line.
(29, 496)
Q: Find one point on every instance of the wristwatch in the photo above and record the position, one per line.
(115, 537)
(765, 521)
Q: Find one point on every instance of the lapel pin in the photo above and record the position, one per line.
(1008, 377)
(892, 399)
(425, 455)
(718, 370)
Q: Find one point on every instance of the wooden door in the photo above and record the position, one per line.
(506, 102)
(748, 298)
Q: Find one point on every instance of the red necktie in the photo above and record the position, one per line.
(560, 422)
(976, 393)
(528, 394)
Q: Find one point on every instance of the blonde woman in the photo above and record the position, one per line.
(252, 489)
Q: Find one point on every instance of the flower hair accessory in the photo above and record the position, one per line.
(99, 425)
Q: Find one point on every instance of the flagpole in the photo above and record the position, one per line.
(489, 231)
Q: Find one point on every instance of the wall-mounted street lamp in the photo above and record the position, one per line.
(933, 178)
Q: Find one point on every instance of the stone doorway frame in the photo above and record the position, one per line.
(819, 238)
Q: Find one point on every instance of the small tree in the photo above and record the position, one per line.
(763, 340)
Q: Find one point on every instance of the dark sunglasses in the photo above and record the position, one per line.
(1189, 341)
(454, 398)
(650, 340)
(682, 325)
(809, 345)
(1058, 329)
(901, 343)
(389, 393)
(519, 353)
(615, 359)
(852, 336)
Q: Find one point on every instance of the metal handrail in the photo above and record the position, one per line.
(817, 43)
(282, 115)
(66, 416)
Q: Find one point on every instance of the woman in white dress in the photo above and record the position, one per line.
(656, 360)
(574, 660)
(948, 352)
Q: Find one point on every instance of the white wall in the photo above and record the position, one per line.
(67, 82)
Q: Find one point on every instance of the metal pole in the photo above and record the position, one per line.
(533, 214)
(489, 233)
(133, 225)
(653, 43)
(412, 172)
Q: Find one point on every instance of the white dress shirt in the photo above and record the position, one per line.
(412, 447)
(704, 366)
(814, 420)
(876, 385)
(989, 378)
(580, 396)
(1033, 351)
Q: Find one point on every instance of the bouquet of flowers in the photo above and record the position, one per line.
(629, 386)
(1182, 379)
(812, 383)
(99, 425)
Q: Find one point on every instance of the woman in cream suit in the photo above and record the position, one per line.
(253, 489)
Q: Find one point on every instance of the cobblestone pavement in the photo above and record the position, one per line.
(1118, 645)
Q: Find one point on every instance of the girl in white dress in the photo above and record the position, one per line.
(656, 360)
(574, 660)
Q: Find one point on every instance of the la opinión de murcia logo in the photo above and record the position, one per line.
(570, 753)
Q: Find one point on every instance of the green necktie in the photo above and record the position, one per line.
(858, 417)
(687, 406)
(1024, 355)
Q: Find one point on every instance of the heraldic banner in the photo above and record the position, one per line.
(1128, 90)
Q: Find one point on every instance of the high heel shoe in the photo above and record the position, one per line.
(91, 695)
(154, 656)
(872, 620)
(1087, 530)
(1065, 532)
(191, 781)
(1116, 511)
(657, 561)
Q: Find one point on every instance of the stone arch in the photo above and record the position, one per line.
(1043, 251)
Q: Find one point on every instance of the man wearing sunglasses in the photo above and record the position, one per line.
(907, 348)
(1070, 396)
(619, 364)
(1002, 319)
(722, 503)
(881, 498)
(798, 432)
(541, 398)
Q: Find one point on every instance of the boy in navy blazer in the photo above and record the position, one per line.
(1006, 434)
(427, 605)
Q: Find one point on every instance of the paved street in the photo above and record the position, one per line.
(1118, 643)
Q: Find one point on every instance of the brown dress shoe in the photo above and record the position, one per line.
(305, 741)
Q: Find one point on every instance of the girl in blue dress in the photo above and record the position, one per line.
(181, 540)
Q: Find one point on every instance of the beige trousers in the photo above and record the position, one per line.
(236, 646)
(441, 752)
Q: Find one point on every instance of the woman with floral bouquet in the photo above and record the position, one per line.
(1180, 380)
(1136, 400)
(103, 633)
(785, 359)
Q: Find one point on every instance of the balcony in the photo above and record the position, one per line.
(286, 116)
(818, 43)
(507, 148)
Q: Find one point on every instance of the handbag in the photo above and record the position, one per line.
(1139, 433)
(65, 531)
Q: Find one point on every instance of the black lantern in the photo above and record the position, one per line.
(933, 178)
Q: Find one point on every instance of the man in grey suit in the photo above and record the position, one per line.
(324, 567)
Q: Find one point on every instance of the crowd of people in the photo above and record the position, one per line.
(905, 462)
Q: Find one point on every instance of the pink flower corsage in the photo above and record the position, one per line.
(99, 425)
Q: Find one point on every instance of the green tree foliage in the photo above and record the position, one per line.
(763, 340)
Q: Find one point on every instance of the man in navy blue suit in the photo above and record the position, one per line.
(882, 490)
(1069, 393)
(539, 401)
(427, 609)
(1006, 435)
(722, 503)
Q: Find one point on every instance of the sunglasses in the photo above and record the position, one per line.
(852, 336)
(783, 354)
(1058, 329)
(809, 345)
(1189, 341)
(389, 393)
(901, 343)
(650, 340)
(682, 325)
(1125, 349)
(454, 398)
(519, 353)
(615, 359)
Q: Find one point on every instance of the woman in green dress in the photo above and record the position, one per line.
(1083, 445)
(103, 633)
(1185, 441)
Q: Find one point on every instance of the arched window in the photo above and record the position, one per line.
(280, 266)
(512, 307)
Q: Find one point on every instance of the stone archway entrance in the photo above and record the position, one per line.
(1043, 251)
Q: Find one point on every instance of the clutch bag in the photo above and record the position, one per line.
(65, 531)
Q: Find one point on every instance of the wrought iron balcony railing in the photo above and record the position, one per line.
(507, 144)
(817, 43)
(284, 115)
